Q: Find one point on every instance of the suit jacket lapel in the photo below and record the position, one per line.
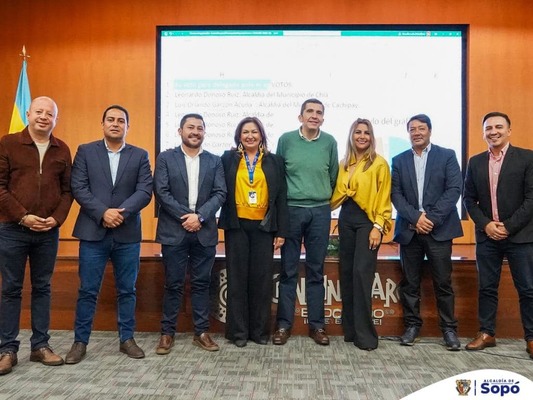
(182, 168)
(104, 161)
(431, 161)
(412, 174)
(203, 170)
(505, 164)
(125, 156)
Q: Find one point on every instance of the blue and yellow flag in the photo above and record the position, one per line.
(22, 102)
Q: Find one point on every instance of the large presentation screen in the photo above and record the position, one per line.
(383, 73)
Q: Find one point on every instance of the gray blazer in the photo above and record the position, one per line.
(93, 189)
(171, 188)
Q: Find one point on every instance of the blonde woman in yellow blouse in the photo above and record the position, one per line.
(363, 190)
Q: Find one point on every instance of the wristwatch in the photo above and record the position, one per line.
(200, 218)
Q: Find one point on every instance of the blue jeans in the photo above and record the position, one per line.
(93, 260)
(17, 244)
(313, 225)
(176, 258)
(489, 256)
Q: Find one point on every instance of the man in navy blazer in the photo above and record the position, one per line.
(112, 182)
(189, 186)
(426, 185)
(498, 195)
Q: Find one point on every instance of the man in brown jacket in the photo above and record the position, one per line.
(34, 200)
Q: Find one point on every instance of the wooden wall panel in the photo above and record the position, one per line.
(388, 317)
(90, 54)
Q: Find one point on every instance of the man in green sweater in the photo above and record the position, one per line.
(311, 165)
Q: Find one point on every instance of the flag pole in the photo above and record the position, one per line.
(22, 98)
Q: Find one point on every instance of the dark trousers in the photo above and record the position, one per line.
(176, 258)
(93, 260)
(440, 265)
(357, 267)
(312, 224)
(489, 258)
(17, 245)
(249, 265)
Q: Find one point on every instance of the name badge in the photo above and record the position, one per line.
(252, 197)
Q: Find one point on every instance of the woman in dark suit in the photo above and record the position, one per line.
(254, 218)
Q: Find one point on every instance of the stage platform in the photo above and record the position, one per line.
(387, 310)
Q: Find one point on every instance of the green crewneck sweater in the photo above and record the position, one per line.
(311, 168)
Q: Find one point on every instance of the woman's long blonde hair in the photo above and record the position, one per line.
(350, 150)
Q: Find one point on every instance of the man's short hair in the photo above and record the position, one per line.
(497, 114)
(419, 117)
(314, 101)
(191, 115)
(117, 107)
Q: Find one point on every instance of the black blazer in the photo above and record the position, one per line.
(277, 216)
(515, 194)
(171, 189)
(442, 188)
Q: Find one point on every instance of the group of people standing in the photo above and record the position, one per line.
(268, 202)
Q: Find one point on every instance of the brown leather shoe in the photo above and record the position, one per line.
(165, 344)
(76, 353)
(319, 336)
(46, 356)
(130, 348)
(8, 360)
(281, 336)
(481, 341)
(529, 348)
(205, 342)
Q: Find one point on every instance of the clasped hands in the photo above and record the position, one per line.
(496, 230)
(424, 225)
(113, 217)
(38, 224)
(191, 222)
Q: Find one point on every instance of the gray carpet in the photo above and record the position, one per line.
(299, 370)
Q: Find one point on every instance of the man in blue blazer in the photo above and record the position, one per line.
(189, 186)
(112, 182)
(426, 185)
(499, 198)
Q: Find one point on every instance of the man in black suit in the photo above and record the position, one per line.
(498, 195)
(189, 186)
(426, 185)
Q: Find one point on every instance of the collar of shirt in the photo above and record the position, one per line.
(424, 152)
(188, 156)
(502, 154)
(309, 140)
(111, 151)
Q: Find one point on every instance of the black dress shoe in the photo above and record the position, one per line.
(319, 336)
(240, 343)
(281, 336)
(410, 335)
(451, 341)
